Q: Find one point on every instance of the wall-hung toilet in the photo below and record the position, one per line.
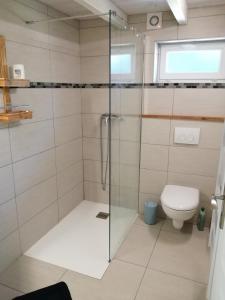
(179, 203)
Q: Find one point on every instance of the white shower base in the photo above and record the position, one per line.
(80, 242)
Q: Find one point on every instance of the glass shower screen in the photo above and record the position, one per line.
(126, 78)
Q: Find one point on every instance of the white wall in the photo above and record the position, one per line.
(162, 161)
(41, 169)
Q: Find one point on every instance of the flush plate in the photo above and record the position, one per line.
(187, 135)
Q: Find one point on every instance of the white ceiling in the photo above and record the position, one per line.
(68, 7)
(130, 7)
(142, 6)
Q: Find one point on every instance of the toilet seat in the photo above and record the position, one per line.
(180, 198)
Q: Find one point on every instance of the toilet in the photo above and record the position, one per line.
(179, 203)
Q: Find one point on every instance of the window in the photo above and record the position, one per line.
(187, 61)
(123, 62)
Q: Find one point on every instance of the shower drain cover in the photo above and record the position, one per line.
(102, 215)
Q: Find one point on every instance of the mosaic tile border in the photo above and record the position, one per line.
(126, 85)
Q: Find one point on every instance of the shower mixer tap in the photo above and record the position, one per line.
(105, 118)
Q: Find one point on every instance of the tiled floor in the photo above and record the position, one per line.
(154, 263)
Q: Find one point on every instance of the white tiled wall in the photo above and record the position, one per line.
(41, 160)
(94, 103)
(162, 161)
(41, 169)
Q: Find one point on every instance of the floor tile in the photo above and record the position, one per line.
(140, 221)
(120, 282)
(28, 274)
(138, 246)
(161, 286)
(7, 293)
(182, 254)
(187, 227)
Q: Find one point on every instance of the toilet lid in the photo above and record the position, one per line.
(180, 197)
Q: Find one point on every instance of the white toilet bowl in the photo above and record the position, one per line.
(179, 203)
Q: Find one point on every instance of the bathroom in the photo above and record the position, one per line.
(96, 127)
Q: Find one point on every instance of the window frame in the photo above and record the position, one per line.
(159, 63)
(129, 77)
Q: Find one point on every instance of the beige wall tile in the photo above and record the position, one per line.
(93, 23)
(94, 41)
(34, 59)
(154, 157)
(129, 176)
(91, 149)
(207, 11)
(93, 192)
(90, 67)
(66, 102)
(64, 67)
(9, 250)
(193, 161)
(148, 68)
(36, 199)
(67, 129)
(34, 229)
(152, 182)
(68, 154)
(91, 126)
(210, 26)
(158, 101)
(119, 37)
(64, 37)
(95, 101)
(155, 131)
(137, 19)
(8, 218)
(34, 170)
(13, 27)
(129, 128)
(128, 197)
(203, 102)
(7, 185)
(39, 101)
(131, 101)
(92, 171)
(129, 152)
(30, 139)
(70, 200)
(69, 178)
(5, 152)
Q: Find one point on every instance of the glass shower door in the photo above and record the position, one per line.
(126, 49)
